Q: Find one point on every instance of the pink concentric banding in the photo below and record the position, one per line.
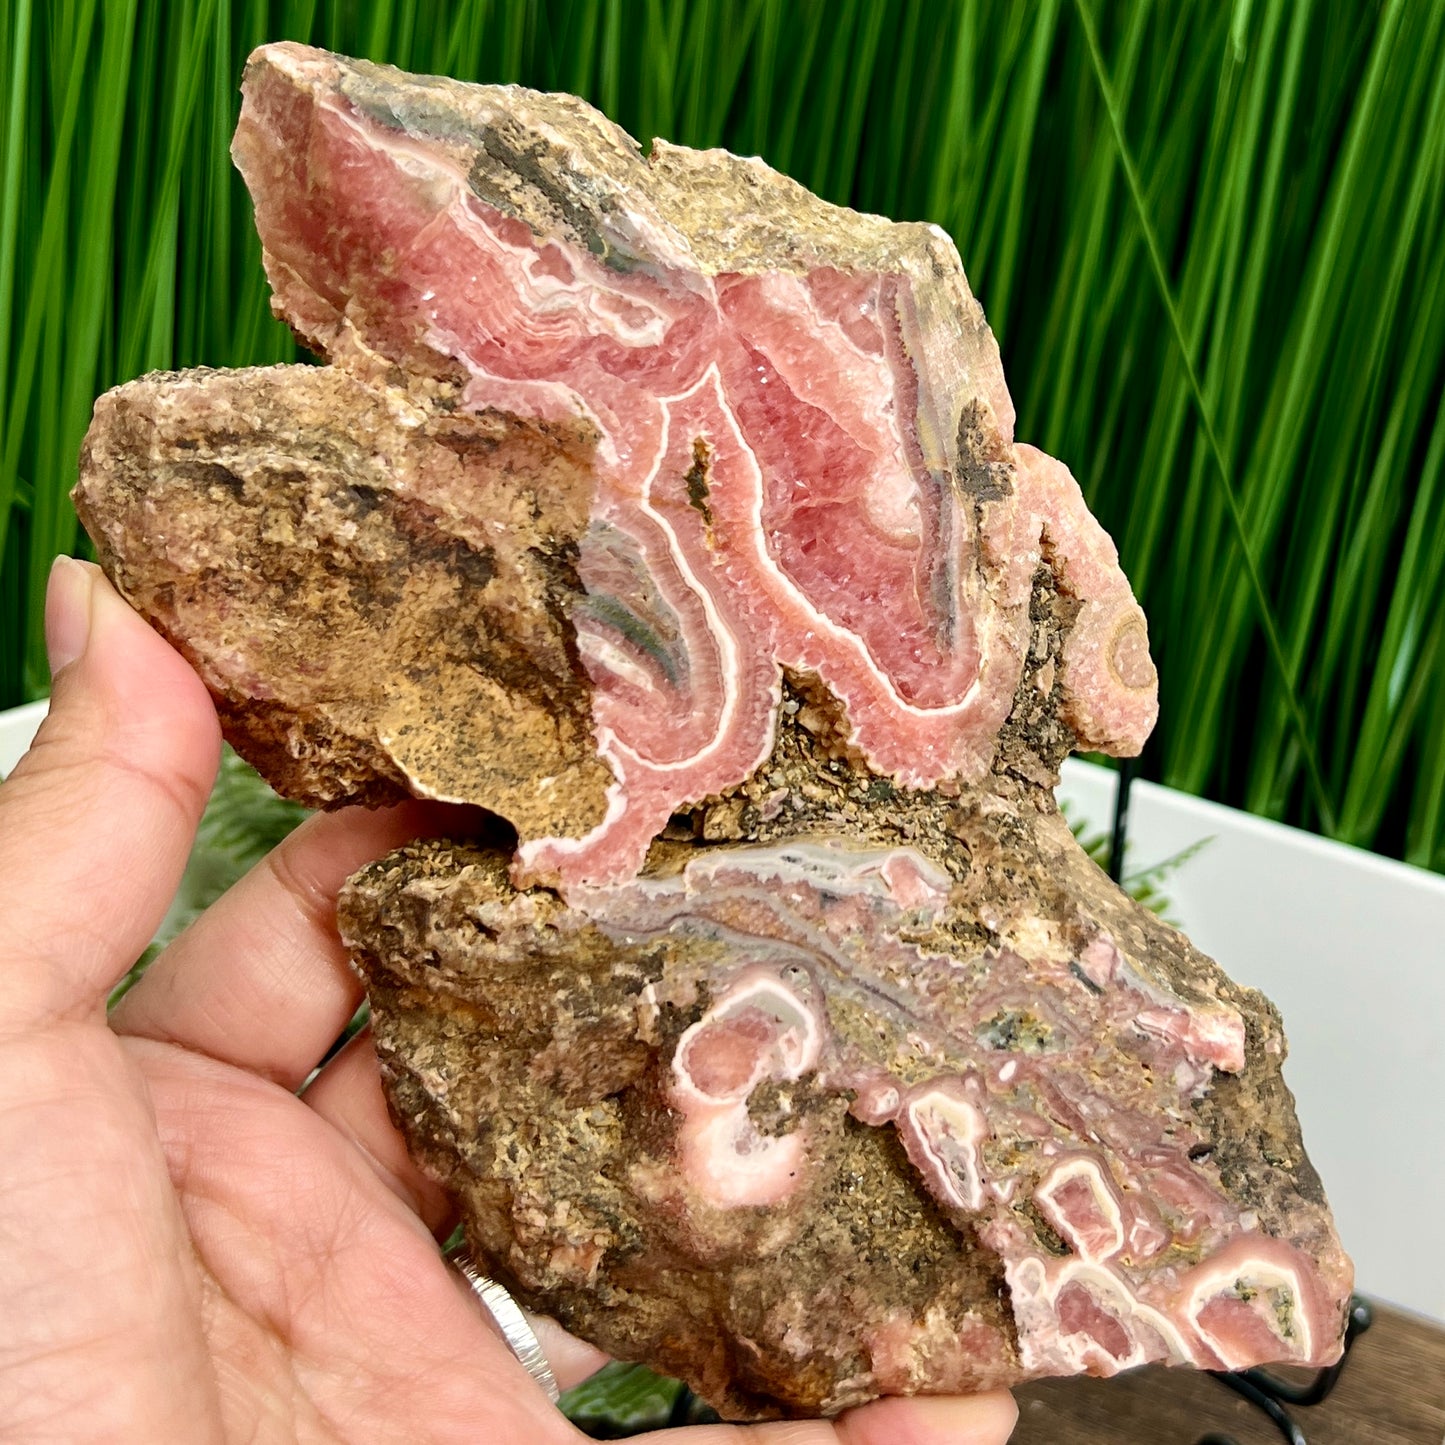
(776, 447)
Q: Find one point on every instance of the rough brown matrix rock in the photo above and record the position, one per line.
(783, 1038)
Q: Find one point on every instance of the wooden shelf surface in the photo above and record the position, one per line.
(1392, 1392)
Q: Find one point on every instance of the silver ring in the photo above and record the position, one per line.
(507, 1315)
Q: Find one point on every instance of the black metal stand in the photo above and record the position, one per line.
(1270, 1394)
(1128, 767)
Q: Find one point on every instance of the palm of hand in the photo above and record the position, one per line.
(234, 1256)
(318, 1294)
(190, 1250)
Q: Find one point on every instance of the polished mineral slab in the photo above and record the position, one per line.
(782, 1036)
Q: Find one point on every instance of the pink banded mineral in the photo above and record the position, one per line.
(802, 432)
(674, 516)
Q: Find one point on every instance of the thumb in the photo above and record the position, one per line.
(97, 819)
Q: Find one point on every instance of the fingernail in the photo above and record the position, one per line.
(67, 611)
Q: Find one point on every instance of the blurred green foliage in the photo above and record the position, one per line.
(1222, 306)
(622, 1400)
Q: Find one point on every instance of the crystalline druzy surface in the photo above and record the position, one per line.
(675, 517)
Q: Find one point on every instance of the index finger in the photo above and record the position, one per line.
(261, 979)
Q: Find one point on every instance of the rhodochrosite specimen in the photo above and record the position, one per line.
(675, 517)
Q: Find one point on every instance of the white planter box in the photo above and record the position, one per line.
(1352, 949)
(17, 728)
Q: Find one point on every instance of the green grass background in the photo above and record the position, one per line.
(1208, 236)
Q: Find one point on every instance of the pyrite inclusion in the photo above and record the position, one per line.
(790, 1043)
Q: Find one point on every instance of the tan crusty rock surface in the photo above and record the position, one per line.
(778, 1033)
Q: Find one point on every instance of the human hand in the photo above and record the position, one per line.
(189, 1250)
